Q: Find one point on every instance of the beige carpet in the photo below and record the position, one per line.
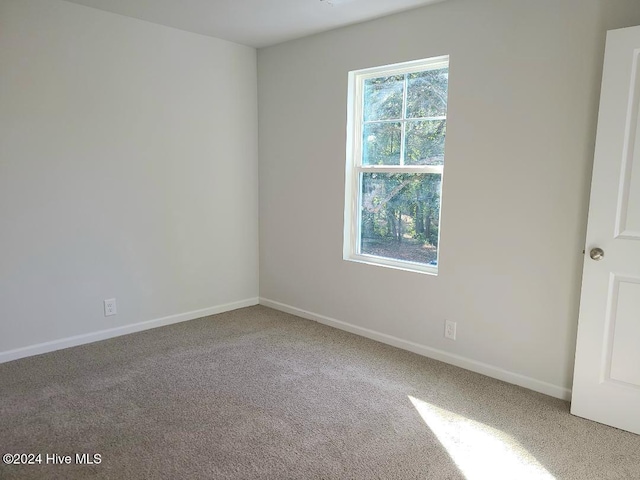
(256, 393)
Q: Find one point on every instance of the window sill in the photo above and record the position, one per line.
(395, 264)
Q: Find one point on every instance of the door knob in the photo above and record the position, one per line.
(596, 254)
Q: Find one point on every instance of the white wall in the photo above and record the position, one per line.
(524, 87)
(128, 169)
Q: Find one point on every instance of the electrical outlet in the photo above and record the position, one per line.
(450, 329)
(110, 307)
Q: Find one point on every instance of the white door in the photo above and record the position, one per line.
(606, 384)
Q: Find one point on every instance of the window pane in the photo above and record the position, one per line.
(383, 98)
(381, 143)
(425, 142)
(427, 93)
(400, 216)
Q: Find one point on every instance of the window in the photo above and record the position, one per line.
(397, 119)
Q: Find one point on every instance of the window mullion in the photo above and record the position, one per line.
(404, 117)
(388, 120)
(398, 120)
(406, 169)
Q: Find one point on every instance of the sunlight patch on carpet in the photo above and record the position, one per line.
(479, 451)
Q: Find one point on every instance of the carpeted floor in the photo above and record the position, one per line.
(257, 393)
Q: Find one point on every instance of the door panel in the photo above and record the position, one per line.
(628, 213)
(623, 355)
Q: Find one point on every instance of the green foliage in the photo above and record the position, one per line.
(424, 118)
(427, 93)
(401, 205)
(383, 98)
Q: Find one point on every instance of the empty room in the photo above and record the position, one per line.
(328, 239)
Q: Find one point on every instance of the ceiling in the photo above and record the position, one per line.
(256, 23)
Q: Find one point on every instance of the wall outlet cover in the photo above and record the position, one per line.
(110, 307)
(450, 329)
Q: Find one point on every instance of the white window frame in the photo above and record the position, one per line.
(354, 167)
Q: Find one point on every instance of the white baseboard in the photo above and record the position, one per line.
(76, 340)
(453, 359)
